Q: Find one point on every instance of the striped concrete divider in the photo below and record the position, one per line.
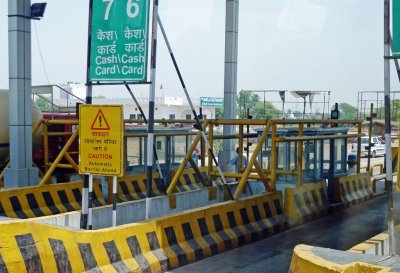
(189, 180)
(306, 203)
(133, 187)
(45, 200)
(199, 233)
(353, 189)
(153, 246)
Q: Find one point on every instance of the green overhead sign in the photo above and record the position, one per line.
(210, 101)
(396, 28)
(119, 40)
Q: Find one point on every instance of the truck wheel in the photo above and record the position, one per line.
(373, 154)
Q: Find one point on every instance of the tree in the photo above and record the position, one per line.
(347, 111)
(259, 110)
(44, 104)
(219, 112)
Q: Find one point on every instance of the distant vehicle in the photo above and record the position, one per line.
(377, 146)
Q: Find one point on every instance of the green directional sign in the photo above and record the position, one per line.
(396, 28)
(119, 41)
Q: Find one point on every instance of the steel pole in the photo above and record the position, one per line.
(150, 125)
(389, 173)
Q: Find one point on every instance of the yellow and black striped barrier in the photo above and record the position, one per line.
(189, 180)
(306, 203)
(133, 187)
(46, 200)
(353, 189)
(153, 246)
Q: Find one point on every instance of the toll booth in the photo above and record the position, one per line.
(171, 146)
(323, 159)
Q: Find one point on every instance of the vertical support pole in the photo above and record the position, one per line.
(114, 211)
(46, 145)
(90, 210)
(300, 157)
(210, 160)
(371, 113)
(203, 152)
(359, 147)
(150, 126)
(240, 155)
(273, 156)
(388, 144)
(230, 78)
(21, 173)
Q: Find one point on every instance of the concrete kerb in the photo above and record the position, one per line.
(152, 246)
(308, 259)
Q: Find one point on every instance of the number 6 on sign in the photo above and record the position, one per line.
(129, 7)
(132, 9)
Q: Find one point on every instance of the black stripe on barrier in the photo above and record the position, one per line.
(60, 256)
(137, 188)
(260, 222)
(155, 248)
(300, 208)
(3, 267)
(349, 191)
(160, 185)
(220, 230)
(356, 192)
(16, 205)
(115, 257)
(34, 206)
(176, 248)
(125, 191)
(29, 252)
(309, 206)
(268, 213)
(363, 192)
(323, 197)
(96, 199)
(206, 235)
(136, 252)
(77, 195)
(233, 225)
(4, 145)
(64, 200)
(315, 199)
(89, 262)
(48, 199)
(188, 181)
(246, 223)
(189, 238)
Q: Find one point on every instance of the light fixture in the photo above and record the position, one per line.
(37, 10)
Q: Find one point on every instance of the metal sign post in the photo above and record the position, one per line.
(101, 134)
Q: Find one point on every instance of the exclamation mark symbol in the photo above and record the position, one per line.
(100, 120)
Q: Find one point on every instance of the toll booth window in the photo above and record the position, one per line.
(340, 156)
(172, 116)
(188, 117)
(139, 116)
(159, 145)
(132, 116)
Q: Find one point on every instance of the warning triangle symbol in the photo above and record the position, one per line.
(100, 122)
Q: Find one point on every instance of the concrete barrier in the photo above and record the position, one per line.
(153, 246)
(377, 245)
(308, 259)
(133, 187)
(189, 180)
(306, 203)
(46, 200)
(353, 189)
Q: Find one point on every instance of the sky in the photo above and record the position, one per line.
(333, 45)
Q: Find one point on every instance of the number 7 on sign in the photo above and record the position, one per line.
(129, 6)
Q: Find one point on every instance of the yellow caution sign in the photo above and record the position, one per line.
(101, 132)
